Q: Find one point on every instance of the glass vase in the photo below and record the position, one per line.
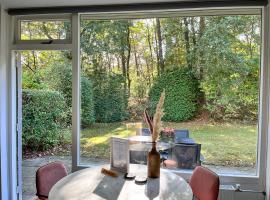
(153, 162)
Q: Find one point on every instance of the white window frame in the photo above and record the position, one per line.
(250, 182)
(15, 45)
(256, 182)
(36, 42)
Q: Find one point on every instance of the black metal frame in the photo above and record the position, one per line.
(137, 6)
(183, 163)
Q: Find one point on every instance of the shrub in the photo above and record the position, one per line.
(87, 104)
(110, 98)
(44, 118)
(61, 80)
(181, 94)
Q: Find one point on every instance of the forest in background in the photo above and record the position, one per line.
(207, 65)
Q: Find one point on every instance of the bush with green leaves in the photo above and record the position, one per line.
(87, 103)
(61, 80)
(110, 98)
(44, 119)
(230, 80)
(181, 89)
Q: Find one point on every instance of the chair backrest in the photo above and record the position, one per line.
(180, 134)
(204, 184)
(187, 156)
(145, 132)
(47, 176)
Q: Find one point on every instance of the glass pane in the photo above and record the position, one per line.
(46, 112)
(209, 68)
(45, 30)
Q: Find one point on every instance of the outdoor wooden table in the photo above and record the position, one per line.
(140, 138)
(92, 184)
(186, 141)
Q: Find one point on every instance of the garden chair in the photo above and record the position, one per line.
(47, 176)
(143, 132)
(204, 184)
(184, 156)
(180, 134)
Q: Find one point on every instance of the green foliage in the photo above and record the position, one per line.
(181, 94)
(110, 98)
(61, 80)
(44, 118)
(87, 104)
(38, 30)
(230, 78)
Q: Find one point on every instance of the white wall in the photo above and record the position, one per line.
(7, 126)
(231, 195)
(3, 108)
(267, 61)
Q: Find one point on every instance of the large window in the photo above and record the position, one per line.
(108, 71)
(209, 67)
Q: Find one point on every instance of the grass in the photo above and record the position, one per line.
(222, 144)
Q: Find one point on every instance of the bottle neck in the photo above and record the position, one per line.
(154, 145)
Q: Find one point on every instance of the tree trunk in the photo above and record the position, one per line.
(193, 31)
(124, 71)
(136, 63)
(118, 63)
(160, 51)
(186, 36)
(202, 26)
(201, 56)
(46, 32)
(34, 61)
(151, 51)
(157, 57)
(201, 99)
(128, 59)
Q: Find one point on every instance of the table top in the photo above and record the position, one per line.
(148, 139)
(161, 146)
(91, 184)
(186, 141)
(140, 138)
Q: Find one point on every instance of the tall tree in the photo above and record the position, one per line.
(160, 50)
(186, 36)
(128, 58)
(201, 53)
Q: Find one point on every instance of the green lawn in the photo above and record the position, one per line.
(222, 144)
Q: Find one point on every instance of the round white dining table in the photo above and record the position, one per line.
(91, 184)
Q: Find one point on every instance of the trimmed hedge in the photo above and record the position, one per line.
(181, 89)
(44, 118)
(87, 104)
(110, 98)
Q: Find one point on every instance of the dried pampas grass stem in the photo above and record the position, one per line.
(157, 123)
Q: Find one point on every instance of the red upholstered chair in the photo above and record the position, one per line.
(47, 176)
(204, 184)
